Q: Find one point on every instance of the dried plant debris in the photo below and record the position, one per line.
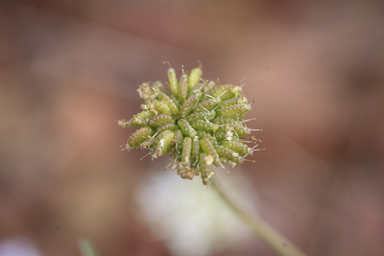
(199, 122)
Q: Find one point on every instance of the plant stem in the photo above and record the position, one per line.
(86, 248)
(267, 234)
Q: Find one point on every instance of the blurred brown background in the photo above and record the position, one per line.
(69, 69)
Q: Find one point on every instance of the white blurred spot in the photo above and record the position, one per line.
(18, 247)
(191, 218)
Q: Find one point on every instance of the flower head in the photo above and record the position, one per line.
(199, 122)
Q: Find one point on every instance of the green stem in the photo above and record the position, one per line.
(86, 247)
(267, 234)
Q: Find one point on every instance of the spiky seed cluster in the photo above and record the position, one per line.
(200, 122)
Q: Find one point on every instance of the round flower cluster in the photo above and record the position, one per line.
(200, 122)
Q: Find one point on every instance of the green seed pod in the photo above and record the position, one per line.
(238, 129)
(211, 115)
(178, 141)
(227, 153)
(226, 92)
(237, 147)
(164, 145)
(160, 120)
(201, 116)
(138, 137)
(221, 120)
(195, 117)
(197, 89)
(228, 95)
(208, 148)
(226, 161)
(159, 107)
(217, 91)
(176, 101)
(207, 105)
(195, 153)
(183, 88)
(186, 153)
(235, 111)
(186, 128)
(189, 104)
(194, 78)
(171, 127)
(203, 135)
(227, 103)
(153, 142)
(220, 136)
(141, 118)
(241, 130)
(173, 84)
(242, 100)
(223, 136)
(134, 121)
(205, 126)
(170, 103)
(207, 97)
(204, 87)
(208, 87)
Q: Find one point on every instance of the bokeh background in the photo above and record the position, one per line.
(69, 69)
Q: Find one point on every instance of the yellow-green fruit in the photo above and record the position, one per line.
(194, 78)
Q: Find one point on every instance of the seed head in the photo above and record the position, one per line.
(199, 122)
